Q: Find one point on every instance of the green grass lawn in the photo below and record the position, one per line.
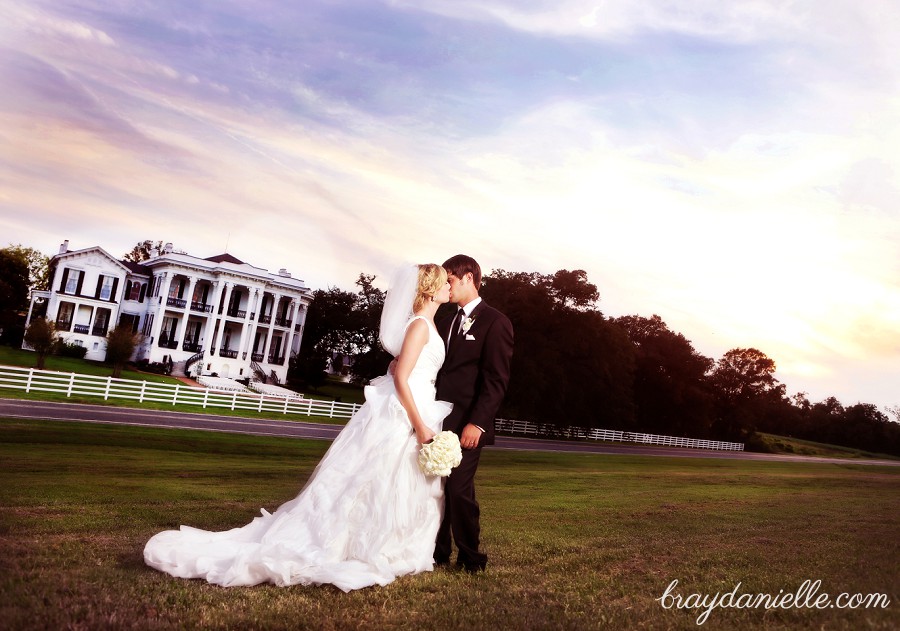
(27, 359)
(575, 541)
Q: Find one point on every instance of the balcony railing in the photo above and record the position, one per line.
(63, 325)
(192, 348)
(229, 354)
(236, 313)
(274, 359)
(264, 319)
(283, 322)
(176, 302)
(167, 343)
(81, 328)
(99, 330)
(202, 307)
(257, 357)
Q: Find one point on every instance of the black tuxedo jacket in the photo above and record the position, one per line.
(476, 370)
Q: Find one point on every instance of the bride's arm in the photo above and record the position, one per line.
(413, 343)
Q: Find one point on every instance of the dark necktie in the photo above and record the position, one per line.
(454, 327)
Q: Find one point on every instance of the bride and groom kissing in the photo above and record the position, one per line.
(368, 514)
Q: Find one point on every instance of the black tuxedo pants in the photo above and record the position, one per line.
(461, 515)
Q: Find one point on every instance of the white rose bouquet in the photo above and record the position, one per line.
(441, 454)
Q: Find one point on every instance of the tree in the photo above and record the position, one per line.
(570, 365)
(746, 391)
(371, 360)
(142, 251)
(41, 337)
(120, 345)
(13, 295)
(572, 289)
(671, 389)
(38, 265)
(343, 322)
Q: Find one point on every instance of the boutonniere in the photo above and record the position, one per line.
(467, 324)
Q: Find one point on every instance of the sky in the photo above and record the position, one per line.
(733, 167)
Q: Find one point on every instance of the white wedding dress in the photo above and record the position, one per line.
(366, 515)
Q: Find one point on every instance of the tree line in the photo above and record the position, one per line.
(574, 366)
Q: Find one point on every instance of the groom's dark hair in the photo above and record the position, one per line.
(460, 265)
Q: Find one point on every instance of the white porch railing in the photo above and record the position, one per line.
(34, 380)
(544, 429)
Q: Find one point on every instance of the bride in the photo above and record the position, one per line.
(367, 514)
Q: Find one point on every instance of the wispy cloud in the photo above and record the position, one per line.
(731, 167)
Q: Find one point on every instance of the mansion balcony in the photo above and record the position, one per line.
(99, 331)
(81, 328)
(165, 342)
(237, 313)
(228, 354)
(283, 322)
(178, 303)
(264, 319)
(192, 348)
(63, 325)
(201, 307)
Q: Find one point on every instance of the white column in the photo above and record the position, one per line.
(291, 331)
(164, 294)
(276, 299)
(221, 326)
(250, 324)
(209, 329)
(186, 312)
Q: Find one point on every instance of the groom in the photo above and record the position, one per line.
(473, 378)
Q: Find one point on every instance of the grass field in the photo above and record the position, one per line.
(575, 541)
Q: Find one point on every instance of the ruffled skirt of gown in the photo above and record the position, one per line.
(366, 515)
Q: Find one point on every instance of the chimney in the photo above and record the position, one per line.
(64, 247)
(284, 272)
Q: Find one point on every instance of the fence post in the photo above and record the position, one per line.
(71, 385)
(205, 397)
(106, 391)
(233, 400)
(175, 394)
(285, 405)
(28, 382)
(143, 388)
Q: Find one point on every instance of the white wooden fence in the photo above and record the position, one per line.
(33, 380)
(544, 429)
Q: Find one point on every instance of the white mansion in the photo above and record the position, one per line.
(214, 315)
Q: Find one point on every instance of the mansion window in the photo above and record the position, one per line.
(64, 315)
(105, 286)
(71, 283)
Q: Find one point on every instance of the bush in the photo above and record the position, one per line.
(68, 349)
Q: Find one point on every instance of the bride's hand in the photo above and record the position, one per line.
(424, 435)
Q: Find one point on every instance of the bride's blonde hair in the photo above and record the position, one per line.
(431, 278)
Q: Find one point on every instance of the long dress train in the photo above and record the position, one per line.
(366, 515)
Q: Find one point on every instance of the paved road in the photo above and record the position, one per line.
(45, 410)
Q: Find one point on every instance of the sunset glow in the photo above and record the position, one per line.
(731, 167)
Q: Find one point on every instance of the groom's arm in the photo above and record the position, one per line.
(494, 375)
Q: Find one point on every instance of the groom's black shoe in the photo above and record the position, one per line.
(441, 562)
(472, 568)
